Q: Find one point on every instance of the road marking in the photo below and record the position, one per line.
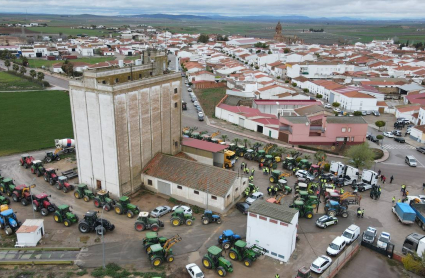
(398, 164)
(398, 147)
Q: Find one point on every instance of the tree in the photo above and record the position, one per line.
(33, 73)
(24, 61)
(360, 156)
(7, 64)
(261, 45)
(294, 84)
(22, 70)
(247, 143)
(320, 156)
(224, 137)
(286, 50)
(379, 137)
(68, 68)
(336, 104)
(357, 113)
(380, 124)
(236, 141)
(307, 156)
(15, 67)
(319, 96)
(293, 153)
(40, 76)
(203, 38)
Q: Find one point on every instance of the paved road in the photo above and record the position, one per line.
(34, 255)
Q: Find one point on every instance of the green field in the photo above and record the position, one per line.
(69, 31)
(208, 98)
(33, 120)
(38, 63)
(9, 82)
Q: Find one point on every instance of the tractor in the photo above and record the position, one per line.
(304, 164)
(158, 254)
(251, 188)
(209, 217)
(240, 150)
(246, 254)
(333, 208)
(9, 222)
(103, 199)
(282, 186)
(64, 185)
(26, 160)
(37, 168)
(123, 206)
(215, 260)
(41, 203)
(144, 222)
(268, 161)
(21, 193)
(315, 170)
(50, 176)
(309, 200)
(232, 147)
(178, 217)
(7, 186)
(345, 199)
(260, 156)
(82, 191)
(151, 239)
(92, 223)
(304, 272)
(304, 210)
(375, 193)
(276, 175)
(228, 239)
(64, 215)
(250, 154)
(289, 163)
(51, 156)
(196, 135)
(4, 200)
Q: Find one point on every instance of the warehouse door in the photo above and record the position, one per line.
(242, 122)
(164, 187)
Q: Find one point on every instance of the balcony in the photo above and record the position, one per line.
(317, 128)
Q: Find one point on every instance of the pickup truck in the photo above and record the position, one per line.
(419, 209)
(404, 213)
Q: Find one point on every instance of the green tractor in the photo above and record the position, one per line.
(123, 206)
(151, 239)
(260, 156)
(82, 191)
(304, 210)
(103, 199)
(289, 163)
(282, 185)
(268, 161)
(251, 188)
(277, 175)
(232, 147)
(309, 200)
(178, 217)
(250, 154)
(215, 260)
(240, 150)
(196, 135)
(246, 254)
(159, 254)
(304, 164)
(144, 222)
(7, 186)
(64, 215)
(4, 200)
(37, 168)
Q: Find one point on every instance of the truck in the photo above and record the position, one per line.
(369, 179)
(229, 159)
(404, 213)
(65, 145)
(414, 243)
(336, 168)
(419, 209)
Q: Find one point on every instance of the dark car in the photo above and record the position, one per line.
(373, 138)
(243, 207)
(421, 149)
(399, 139)
(326, 176)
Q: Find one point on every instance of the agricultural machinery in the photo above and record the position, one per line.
(309, 200)
(178, 217)
(333, 208)
(209, 217)
(21, 193)
(4, 200)
(64, 185)
(64, 215)
(151, 239)
(260, 156)
(304, 272)
(228, 239)
(289, 163)
(103, 199)
(7, 186)
(92, 223)
(159, 254)
(304, 210)
(215, 260)
(276, 175)
(240, 150)
(246, 254)
(9, 222)
(144, 222)
(315, 170)
(82, 191)
(249, 154)
(37, 168)
(41, 203)
(51, 156)
(123, 205)
(26, 160)
(304, 164)
(50, 176)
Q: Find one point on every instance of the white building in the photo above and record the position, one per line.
(318, 70)
(273, 227)
(30, 233)
(417, 133)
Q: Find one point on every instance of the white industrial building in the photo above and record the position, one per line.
(122, 116)
(30, 233)
(273, 227)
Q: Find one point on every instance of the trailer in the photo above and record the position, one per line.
(70, 174)
(404, 213)
(420, 214)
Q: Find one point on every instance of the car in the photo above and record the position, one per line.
(194, 271)
(361, 187)
(364, 113)
(327, 105)
(421, 149)
(368, 112)
(193, 99)
(242, 207)
(373, 138)
(388, 134)
(196, 103)
(410, 160)
(160, 211)
(326, 220)
(369, 235)
(399, 139)
(185, 208)
(408, 130)
(337, 245)
(406, 121)
(198, 108)
(254, 197)
(321, 264)
(200, 116)
(187, 85)
(189, 90)
(304, 175)
(337, 110)
(376, 113)
(368, 135)
(396, 132)
(383, 240)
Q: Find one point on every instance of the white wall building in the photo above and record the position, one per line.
(30, 233)
(317, 70)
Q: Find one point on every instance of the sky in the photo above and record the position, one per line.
(371, 9)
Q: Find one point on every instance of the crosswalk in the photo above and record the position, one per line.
(398, 147)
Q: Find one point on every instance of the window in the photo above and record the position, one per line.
(273, 254)
(196, 192)
(98, 184)
(150, 73)
(175, 105)
(263, 218)
(343, 129)
(213, 197)
(352, 139)
(140, 75)
(116, 80)
(228, 196)
(349, 129)
(149, 182)
(237, 188)
(179, 187)
(244, 182)
(280, 256)
(176, 144)
(175, 90)
(104, 82)
(129, 77)
(272, 221)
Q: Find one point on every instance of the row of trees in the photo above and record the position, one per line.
(22, 70)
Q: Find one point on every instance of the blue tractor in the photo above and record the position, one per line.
(9, 222)
(209, 217)
(228, 239)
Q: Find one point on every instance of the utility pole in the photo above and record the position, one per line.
(103, 241)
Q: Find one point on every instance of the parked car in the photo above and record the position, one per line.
(368, 135)
(373, 138)
(376, 113)
(326, 220)
(383, 240)
(189, 90)
(337, 110)
(160, 211)
(193, 99)
(196, 103)
(408, 130)
(396, 132)
(185, 208)
(327, 105)
(369, 235)
(198, 108)
(304, 175)
(200, 116)
(194, 271)
(351, 233)
(337, 245)
(364, 113)
(399, 139)
(254, 197)
(368, 112)
(421, 149)
(321, 264)
(242, 207)
(410, 160)
(388, 134)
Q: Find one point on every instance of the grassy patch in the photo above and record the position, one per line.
(32, 120)
(38, 63)
(377, 153)
(208, 98)
(9, 82)
(69, 31)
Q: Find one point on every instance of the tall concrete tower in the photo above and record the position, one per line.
(122, 117)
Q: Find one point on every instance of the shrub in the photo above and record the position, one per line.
(316, 149)
(357, 113)
(319, 96)
(82, 272)
(327, 167)
(412, 264)
(336, 104)
(306, 91)
(294, 84)
(195, 209)
(172, 200)
(286, 81)
(278, 77)
(379, 137)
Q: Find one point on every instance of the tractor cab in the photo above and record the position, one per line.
(24, 158)
(63, 209)
(90, 216)
(41, 197)
(22, 188)
(8, 218)
(206, 137)
(250, 151)
(232, 147)
(302, 186)
(7, 186)
(37, 163)
(275, 175)
(304, 272)
(124, 201)
(82, 187)
(50, 156)
(240, 151)
(282, 184)
(260, 156)
(51, 172)
(215, 253)
(195, 135)
(304, 164)
(298, 204)
(314, 170)
(303, 194)
(103, 194)
(240, 245)
(268, 160)
(209, 214)
(62, 180)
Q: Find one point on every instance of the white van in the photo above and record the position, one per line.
(337, 245)
(410, 160)
(351, 234)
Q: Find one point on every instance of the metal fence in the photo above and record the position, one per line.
(340, 261)
(389, 252)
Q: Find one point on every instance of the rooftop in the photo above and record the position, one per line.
(278, 212)
(345, 120)
(203, 145)
(30, 226)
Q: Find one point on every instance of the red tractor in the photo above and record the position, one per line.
(26, 160)
(63, 184)
(50, 176)
(41, 203)
(21, 193)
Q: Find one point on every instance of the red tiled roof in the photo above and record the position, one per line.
(203, 145)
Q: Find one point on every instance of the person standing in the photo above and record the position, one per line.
(393, 199)
(362, 212)
(317, 207)
(269, 190)
(391, 179)
(242, 165)
(252, 171)
(379, 172)
(384, 179)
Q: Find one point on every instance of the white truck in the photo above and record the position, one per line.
(414, 243)
(369, 179)
(348, 176)
(65, 145)
(336, 168)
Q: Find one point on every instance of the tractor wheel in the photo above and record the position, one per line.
(38, 173)
(226, 245)
(96, 202)
(130, 214)
(24, 202)
(219, 221)
(147, 249)
(26, 165)
(7, 201)
(226, 166)
(206, 262)
(8, 231)
(354, 183)
(65, 190)
(51, 182)
(44, 212)
(118, 209)
(15, 197)
(56, 218)
(1, 226)
(86, 199)
(107, 207)
(100, 230)
(58, 186)
(77, 195)
(139, 227)
(233, 255)
(34, 207)
(2, 189)
(58, 158)
(170, 258)
(84, 228)
(157, 262)
(344, 214)
(48, 159)
(271, 179)
(205, 221)
(154, 227)
(67, 223)
(175, 222)
(221, 272)
(189, 222)
(290, 167)
(331, 213)
(247, 262)
(45, 178)
(309, 215)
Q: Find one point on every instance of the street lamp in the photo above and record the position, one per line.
(32, 186)
(103, 241)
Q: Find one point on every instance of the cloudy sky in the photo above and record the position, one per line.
(388, 9)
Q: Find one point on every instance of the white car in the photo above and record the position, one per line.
(254, 197)
(189, 90)
(321, 264)
(186, 209)
(304, 175)
(194, 271)
(160, 211)
(337, 245)
(383, 240)
(337, 110)
(388, 134)
(327, 105)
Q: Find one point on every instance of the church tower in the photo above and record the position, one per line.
(278, 33)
